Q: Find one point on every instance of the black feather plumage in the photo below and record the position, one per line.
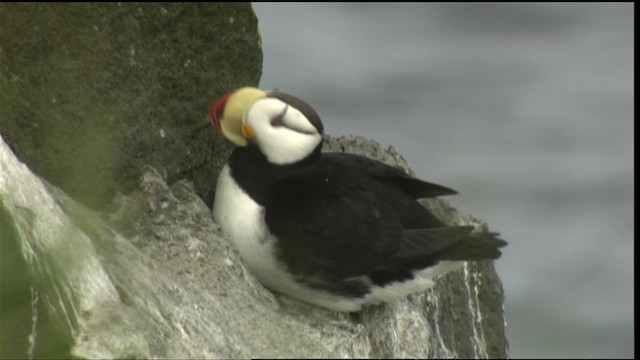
(344, 219)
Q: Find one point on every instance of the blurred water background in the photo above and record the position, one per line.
(525, 108)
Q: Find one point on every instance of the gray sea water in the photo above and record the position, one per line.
(525, 108)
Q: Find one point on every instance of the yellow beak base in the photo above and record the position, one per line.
(232, 123)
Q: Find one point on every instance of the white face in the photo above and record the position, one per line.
(282, 132)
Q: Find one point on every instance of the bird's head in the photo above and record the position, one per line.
(284, 128)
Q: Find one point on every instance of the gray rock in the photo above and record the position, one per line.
(105, 100)
(154, 277)
(89, 92)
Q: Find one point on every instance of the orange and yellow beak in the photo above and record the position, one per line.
(228, 114)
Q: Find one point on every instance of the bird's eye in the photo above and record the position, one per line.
(277, 121)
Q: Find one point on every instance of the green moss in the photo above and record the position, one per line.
(91, 92)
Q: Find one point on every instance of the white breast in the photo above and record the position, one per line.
(243, 221)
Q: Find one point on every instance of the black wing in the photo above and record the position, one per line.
(333, 223)
(388, 174)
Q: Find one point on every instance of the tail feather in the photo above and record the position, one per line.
(475, 246)
(426, 246)
(425, 249)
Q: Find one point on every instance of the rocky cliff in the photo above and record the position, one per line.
(108, 247)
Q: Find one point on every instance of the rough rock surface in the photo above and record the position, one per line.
(154, 277)
(89, 92)
(115, 254)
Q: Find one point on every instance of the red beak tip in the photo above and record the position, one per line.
(216, 110)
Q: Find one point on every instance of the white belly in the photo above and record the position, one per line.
(242, 219)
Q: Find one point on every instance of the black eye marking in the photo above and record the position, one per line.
(277, 121)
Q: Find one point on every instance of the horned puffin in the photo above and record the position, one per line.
(336, 230)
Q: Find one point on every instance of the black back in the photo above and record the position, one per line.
(340, 217)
